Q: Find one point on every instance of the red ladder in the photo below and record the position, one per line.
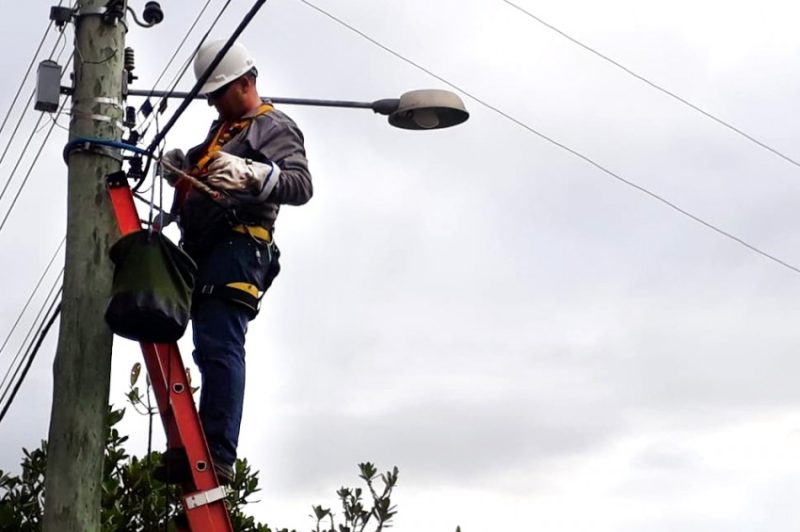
(203, 498)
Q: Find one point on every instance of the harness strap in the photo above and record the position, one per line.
(243, 293)
(256, 231)
(226, 132)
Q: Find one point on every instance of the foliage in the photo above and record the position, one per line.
(23, 498)
(356, 516)
(133, 500)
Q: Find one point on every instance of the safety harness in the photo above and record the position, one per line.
(244, 293)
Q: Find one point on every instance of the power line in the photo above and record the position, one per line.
(33, 350)
(33, 294)
(23, 361)
(27, 73)
(202, 78)
(173, 84)
(564, 147)
(654, 85)
(55, 287)
(183, 41)
(33, 164)
(20, 120)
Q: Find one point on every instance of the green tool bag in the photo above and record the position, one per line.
(152, 290)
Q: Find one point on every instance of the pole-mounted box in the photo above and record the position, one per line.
(48, 86)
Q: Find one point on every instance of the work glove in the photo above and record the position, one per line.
(176, 158)
(245, 179)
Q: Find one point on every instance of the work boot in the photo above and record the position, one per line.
(174, 468)
(225, 474)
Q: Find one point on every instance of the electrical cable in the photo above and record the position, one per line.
(154, 145)
(562, 146)
(118, 144)
(5, 389)
(40, 335)
(205, 75)
(27, 73)
(33, 294)
(183, 41)
(654, 85)
(56, 286)
(33, 164)
(173, 84)
(19, 123)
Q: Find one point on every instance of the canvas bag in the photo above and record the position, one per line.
(151, 295)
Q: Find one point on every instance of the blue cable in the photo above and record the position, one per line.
(71, 145)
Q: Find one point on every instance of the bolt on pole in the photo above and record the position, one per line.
(82, 368)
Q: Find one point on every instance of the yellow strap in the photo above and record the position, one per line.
(245, 287)
(225, 133)
(261, 233)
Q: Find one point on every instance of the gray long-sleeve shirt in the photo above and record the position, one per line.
(269, 137)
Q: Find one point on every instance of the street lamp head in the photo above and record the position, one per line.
(424, 109)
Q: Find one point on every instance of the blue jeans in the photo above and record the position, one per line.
(219, 327)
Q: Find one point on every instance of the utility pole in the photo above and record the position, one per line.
(82, 368)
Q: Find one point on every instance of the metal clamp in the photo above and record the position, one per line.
(107, 101)
(99, 118)
(203, 498)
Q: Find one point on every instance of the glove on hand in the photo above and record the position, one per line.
(235, 174)
(176, 158)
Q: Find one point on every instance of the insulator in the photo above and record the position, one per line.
(135, 170)
(130, 59)
(130, 117)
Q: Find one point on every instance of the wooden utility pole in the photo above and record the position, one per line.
(82, 368)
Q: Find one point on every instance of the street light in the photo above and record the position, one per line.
(419, 109)
(428, 109)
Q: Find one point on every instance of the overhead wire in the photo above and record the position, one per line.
(19, 123)
(33, 350)
(562, 146)
(202, 78)
(656, 86)
(55, 306)
(18, 359)
(176, 79)
(27, 73)
(29, 345)
(33, 294)
(44, 327)
(180, 45)
(33, 163)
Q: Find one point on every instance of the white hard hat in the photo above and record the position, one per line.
(236, 63)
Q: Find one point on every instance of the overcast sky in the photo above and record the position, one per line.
(535, 345)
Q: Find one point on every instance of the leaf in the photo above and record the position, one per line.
(135, 371)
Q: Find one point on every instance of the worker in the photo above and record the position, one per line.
(254, 159)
